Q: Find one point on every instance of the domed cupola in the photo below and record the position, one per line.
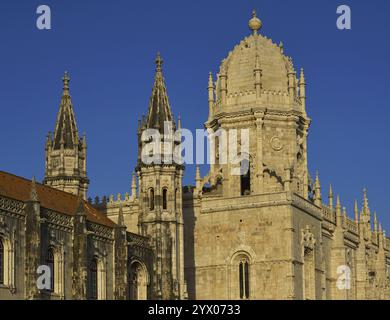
(257, 73)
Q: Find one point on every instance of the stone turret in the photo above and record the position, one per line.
(66, 152)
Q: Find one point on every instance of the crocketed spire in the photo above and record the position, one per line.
(65, 133)
(159, 108)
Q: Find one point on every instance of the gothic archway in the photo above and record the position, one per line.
(138, 281)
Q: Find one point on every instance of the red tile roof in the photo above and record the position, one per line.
(18, 188)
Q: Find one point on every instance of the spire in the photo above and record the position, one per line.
(356, 211)
(255, 23)
(381, 237)
(66, 80)
(339, 213)
(133, 186)
(159, 108)
(302, 90)
(179, 122)
(33, 191)
(302, 80)
(375, 223)
(66, 133)
(317, 191)
(345, 214)
(366, 210)
(338, 205)
(210, 89)
(330, 197)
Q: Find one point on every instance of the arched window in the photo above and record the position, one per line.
(50, 264)
(1, 262)
(151, 199)
(165, 199)
(244, 278)
(245, 178)
(93, 279)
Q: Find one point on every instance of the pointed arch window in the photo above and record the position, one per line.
(93, 279)
(165, 199)
(244, 278)
(151, 199)
(50, 264)
(1, 262)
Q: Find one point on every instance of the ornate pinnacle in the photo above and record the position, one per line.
(338, 205)
(66, 80)
(330, 197)
(159, 62)
(302, 80)
(211, 84)
(356, 211)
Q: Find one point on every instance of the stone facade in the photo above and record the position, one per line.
(265, 234)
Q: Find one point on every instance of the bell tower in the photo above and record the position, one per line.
(66, 152)
(160, 192)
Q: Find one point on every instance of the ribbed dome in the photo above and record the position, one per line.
(240, 64)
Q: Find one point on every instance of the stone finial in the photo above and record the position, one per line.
(66, 80)
(179, 122)
(159, 62)
(317, 191)
(211, 81)
(375, 223)
(365, 199)
(255, 23)
(302, 90)
(338, 205)
(302, 77)
(365, 215)
(133, 186)
(330, 197)
(210, 90)
(356, 211)
(281, 47)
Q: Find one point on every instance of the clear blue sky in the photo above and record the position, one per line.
(109, 49)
